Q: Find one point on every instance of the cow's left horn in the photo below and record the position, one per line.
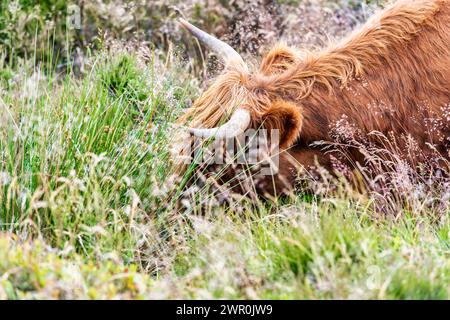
(221, 48)
(238, 123)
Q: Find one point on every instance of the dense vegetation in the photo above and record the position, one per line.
(91, 207)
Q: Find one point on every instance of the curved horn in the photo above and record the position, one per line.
(238, 123)
(223, 49)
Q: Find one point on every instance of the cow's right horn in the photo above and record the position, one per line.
(225, 51)
(238, 123)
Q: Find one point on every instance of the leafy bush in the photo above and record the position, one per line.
(36, 28)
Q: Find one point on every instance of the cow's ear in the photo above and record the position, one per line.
(278, 60)
(287, 118)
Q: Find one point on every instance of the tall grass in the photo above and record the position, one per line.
(79, 154)
(88, 207)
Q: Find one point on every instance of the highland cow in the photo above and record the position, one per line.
(391, 77)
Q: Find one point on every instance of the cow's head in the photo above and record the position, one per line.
(240, 99)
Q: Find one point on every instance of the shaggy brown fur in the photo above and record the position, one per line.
(391, 76)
